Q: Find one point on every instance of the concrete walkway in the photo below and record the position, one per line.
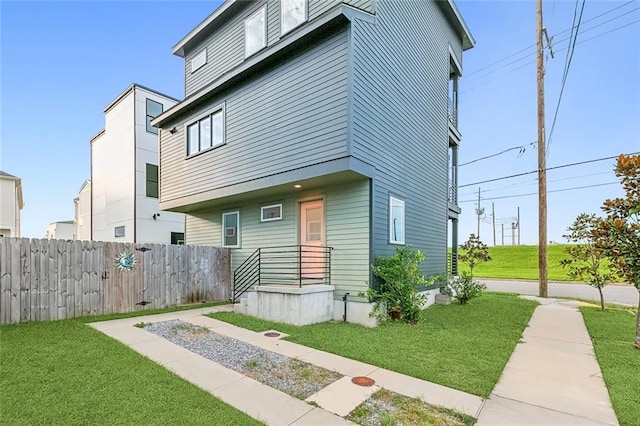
(552, 378)
(263, 402)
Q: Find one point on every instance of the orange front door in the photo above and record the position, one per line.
(312, 239)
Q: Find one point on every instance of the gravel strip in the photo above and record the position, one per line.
(292, 376)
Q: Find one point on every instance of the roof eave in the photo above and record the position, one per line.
(451, 9)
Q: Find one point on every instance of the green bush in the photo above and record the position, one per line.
(398, 289)
(463, 288)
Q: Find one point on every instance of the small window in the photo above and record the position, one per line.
(292, 14)
(255, 32)
(207, 132)
(154, 109)
(152, 180)
(199, 60)
(269, 213)
(119, 231)
(396, 221)
(231, 229)
(177, 238)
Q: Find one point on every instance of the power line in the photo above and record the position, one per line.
(520, 148)
(567, 66)
(548, 168)
(557, 34)
(575, 188)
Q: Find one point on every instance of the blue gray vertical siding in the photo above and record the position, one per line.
(290, 117)
(225, 46)
(347, 230)
(400, 89)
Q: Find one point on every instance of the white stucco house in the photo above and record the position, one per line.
(11, 203)
(61, 230)
(123, 190)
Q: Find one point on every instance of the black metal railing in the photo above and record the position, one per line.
(286, 265)
(452, 264)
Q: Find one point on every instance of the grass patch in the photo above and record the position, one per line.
(612, 333)
(389, 409)
(109, 317)
(65, 372)
(520, 262)
(461, 346)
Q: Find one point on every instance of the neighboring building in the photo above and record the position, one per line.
(63, 230)
(11, 203)
(124, 173)
(318, 123)
(82, 216)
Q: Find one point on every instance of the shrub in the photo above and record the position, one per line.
(463, 288)
(398, 289)
(474, 252)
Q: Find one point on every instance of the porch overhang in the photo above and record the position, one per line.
(318, 175)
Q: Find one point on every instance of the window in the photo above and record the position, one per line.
(199, 60)
(231, 229)
(269, 213)
(207, 132)
(396, 221)
(255, 32)
(292, 14)
(118, 231)
(154, 109)
(152, 180)
(177, 238)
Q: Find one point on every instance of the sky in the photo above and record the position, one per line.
(61, 63)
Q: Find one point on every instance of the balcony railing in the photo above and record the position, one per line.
(287, 265)
(453, 113)
(453, 193)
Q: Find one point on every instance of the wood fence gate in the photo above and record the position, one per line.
(44, 280)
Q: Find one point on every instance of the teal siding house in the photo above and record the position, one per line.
(315, 136)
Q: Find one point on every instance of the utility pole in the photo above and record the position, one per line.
(542, 163)
(479, 212)
(502, 233)
(518, 225)
(493, 215)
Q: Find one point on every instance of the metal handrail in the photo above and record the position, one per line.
(283, 265)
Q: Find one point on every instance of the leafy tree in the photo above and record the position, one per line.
(474, 252)
(619, 233)
(586, 262)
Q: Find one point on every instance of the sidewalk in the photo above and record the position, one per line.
(552, 378)
(263, 402)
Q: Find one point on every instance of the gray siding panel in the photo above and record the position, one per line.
(225, 46)
(400, 90)
(347, 230)
(290, 117)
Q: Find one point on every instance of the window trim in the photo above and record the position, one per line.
(262, 10)
(148, 126)
(115, 231)
(238, 244)
(306, 18)
(270, 219)
(146, 180)
(404, 221)
(209, 112)
(202, 53)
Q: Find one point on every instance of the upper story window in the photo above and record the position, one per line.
(199, 60)
(396, 221)
(292, 14)
(255, 32)
(206, 132)
(154, 109)
(152, 180)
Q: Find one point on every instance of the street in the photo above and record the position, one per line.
(623, 294)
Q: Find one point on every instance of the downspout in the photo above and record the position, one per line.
(344, 299)
(135, 170)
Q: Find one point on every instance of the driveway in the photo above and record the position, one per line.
(623, 294)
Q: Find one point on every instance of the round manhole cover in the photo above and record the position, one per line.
(272, 334)
(363, 381)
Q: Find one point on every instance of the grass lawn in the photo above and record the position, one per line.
(521, 262)
(612, 333)
(463, 347)
(67, 373)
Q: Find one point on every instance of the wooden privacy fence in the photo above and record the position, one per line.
(43, 280)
